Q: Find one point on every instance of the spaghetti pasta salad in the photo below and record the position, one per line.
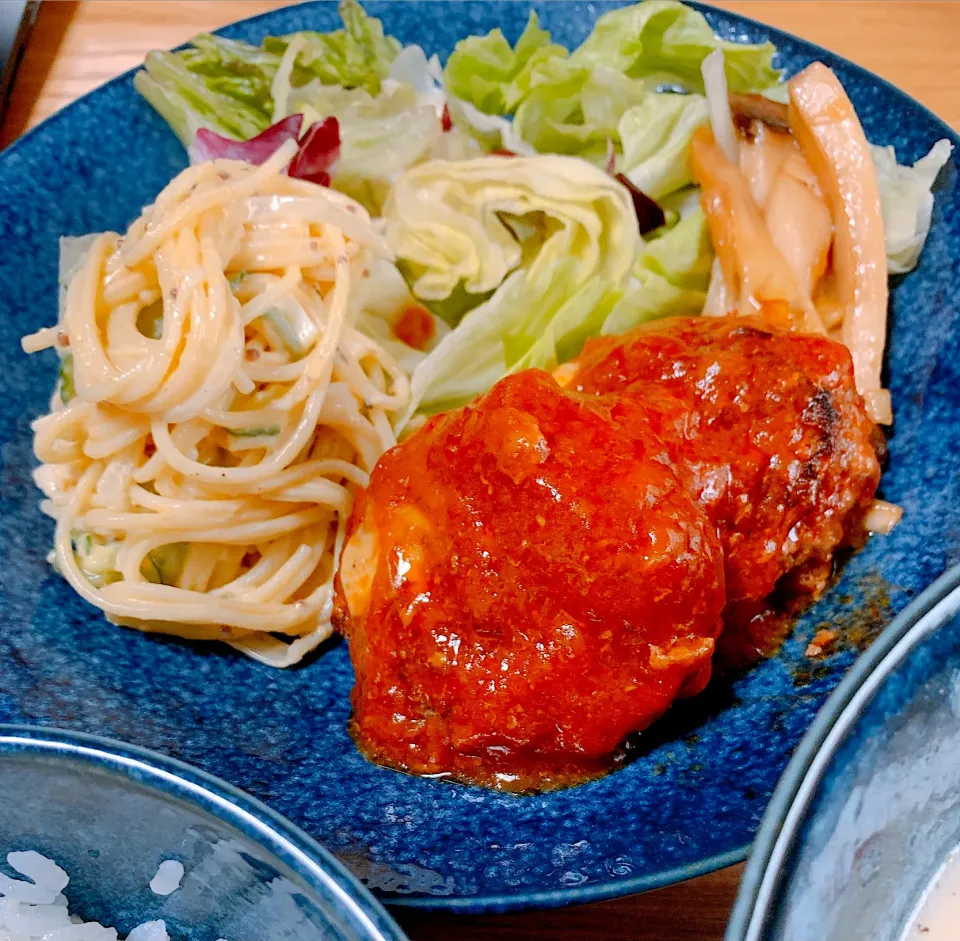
(216, 402)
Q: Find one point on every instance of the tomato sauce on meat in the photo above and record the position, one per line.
(771, 426)
(530, 579)
(513, 613)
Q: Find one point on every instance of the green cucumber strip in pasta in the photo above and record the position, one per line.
(164, 564)
(264, 432)
(150, 320)
(96, 559)
(293, 330)
(67, 388)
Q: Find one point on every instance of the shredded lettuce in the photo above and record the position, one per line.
(906, 201)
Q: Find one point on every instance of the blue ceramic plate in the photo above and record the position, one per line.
(869, 807)
(109, 815)
(691, 803)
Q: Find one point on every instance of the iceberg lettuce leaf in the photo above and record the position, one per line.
(666, 41)
(573, 109)
(574, 104)
(490, 74)
(670, 275)
(188, 98)
(655, 136)
(446, 221)
(906, 202)
(357, 56)
(227, 86)
(650, 297)
(553, 237)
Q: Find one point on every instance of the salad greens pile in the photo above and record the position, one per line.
(605, 90)
(519, 260)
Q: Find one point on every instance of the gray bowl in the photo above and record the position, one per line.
(869, 808)
(109, 814)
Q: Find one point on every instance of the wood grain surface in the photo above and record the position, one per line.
(76, 46)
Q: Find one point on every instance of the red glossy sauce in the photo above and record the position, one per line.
(543, 586)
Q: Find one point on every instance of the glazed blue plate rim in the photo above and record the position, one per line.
(792, 800)
(318, 867)
(502, 901)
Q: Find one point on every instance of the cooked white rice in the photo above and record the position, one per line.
(36, 910)
(167, 879)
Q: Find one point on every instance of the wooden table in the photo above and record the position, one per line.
(76, 46)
